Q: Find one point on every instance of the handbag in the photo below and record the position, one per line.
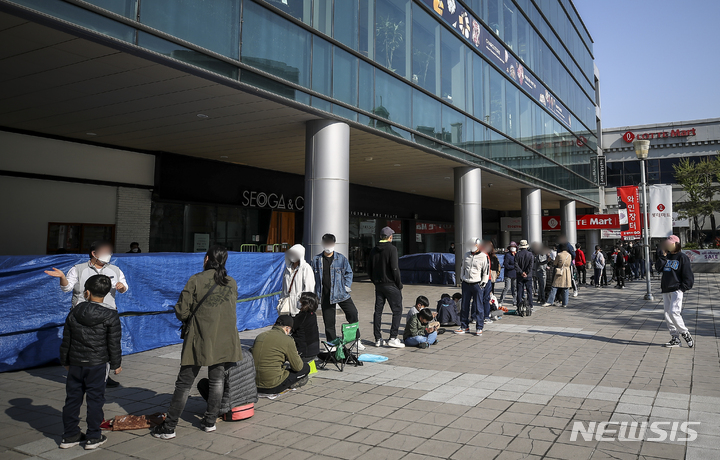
(283, 306)
(186, 324)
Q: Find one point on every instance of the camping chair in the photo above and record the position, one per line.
(345, 351)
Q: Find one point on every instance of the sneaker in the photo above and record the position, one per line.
(673, 343)
(498, 318)
(564, 306)
(462, 330)
(688, 338)
(380, 343)
(395, 343)
(92, 444)
(360, 346)
(575, 294)
(72, 441)
(207, 427)
(300, 383)
(546, 304)
(163, 432)
(110, 383)
(488, 320)
(423, 345)
(478, 333)
(270, 396)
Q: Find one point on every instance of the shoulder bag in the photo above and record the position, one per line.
(283, 306)
(186, 324)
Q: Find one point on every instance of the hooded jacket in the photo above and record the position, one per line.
(303, 274)
(383, 265)
(676, 272)
(91, 336)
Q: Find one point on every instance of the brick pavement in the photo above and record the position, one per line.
(513, 393)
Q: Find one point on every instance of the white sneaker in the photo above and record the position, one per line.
(361, 347)
(575, 294)
(546, 304)
(395, 343)
(380, 343)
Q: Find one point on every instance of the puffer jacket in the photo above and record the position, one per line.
(240, 386)
(91, 336)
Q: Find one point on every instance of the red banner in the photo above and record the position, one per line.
(629, 212)
(598, 221)
(551, 223)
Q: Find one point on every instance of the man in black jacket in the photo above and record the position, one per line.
(524, 273)
(385, 275)
(89, 349)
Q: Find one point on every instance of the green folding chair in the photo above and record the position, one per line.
(343, 350)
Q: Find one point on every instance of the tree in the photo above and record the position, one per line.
(699, 182)
(391, 36)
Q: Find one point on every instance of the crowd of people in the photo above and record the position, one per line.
(282, 358)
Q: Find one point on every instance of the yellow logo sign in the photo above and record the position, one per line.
(438, 6)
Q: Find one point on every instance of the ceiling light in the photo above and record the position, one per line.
(223, 156)
(91, 134)
(202, 115)
(368, 158)
(396, 164)
(447, 177)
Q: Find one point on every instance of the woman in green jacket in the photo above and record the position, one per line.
(207, 308)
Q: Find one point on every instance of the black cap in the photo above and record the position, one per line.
(284, 320)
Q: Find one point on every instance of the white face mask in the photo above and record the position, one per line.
(135, 250)
(105, 258)
(329, 249)
(513, 249)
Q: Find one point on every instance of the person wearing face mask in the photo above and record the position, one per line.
(277, 362)
(510, 273)
(474, 273)
(333, 279)
(384, 272)
(297, 278)
(134, 248)
(99, 264)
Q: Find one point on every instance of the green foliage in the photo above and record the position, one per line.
(699, 181)
(390, 36)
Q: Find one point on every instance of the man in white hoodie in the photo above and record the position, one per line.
(474, 274)
(298, 277)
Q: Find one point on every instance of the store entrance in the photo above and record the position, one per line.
(282, 229)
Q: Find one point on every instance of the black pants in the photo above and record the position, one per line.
(393, 295)
(522, 285)
(620, 276)
(288, 382)
(87, 382)
(597, 275)
(183, 384)
(582, 274)
(328, 312)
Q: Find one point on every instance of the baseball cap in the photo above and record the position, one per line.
(284, 320)
(673, 239)
(386, 232)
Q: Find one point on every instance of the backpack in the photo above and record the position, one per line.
(523, 309)
(239, 413)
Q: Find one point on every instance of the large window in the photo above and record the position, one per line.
(425, 51)
(392, 37)
(453, 70)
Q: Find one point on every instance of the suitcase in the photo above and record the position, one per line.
(239, 413)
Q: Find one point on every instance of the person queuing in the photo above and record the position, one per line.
(562, 279)
(474, 273)
(510, 273)
(134, 248)
(385, 274)
(271, 351)
(446, 311)
(639, 255)
(677, 278)
(490, 286)
(580, 262)
(418, 332)
(524, 271)
(305, 328)
(620, 268)
(333, 281)
(90, 349)
(540, 264)
(297, 278)
(207, 309)
(99, 264)
(598, 263)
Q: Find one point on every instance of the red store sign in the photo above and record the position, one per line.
(629, 136)
(598, 221)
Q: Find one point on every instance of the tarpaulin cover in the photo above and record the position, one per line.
(432, 268)
(33, 308)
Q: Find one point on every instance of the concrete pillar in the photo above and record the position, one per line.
(593, 239)
(531, 212)
(568, 220)
(468, 211)
(327, 185)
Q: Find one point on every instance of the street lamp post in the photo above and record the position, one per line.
(641, 151)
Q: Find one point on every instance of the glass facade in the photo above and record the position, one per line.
(398, 66)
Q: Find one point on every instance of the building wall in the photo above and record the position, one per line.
(46, 180)
(32, 203)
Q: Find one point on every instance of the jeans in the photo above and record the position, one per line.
(604, 277)
(641, 268)
(418, 339)
(510, 286)
(486, 298)
(672, 301)
(541, 277)
(183, 384)
(393, 295)
(87, 382)
(524, 284)
(582, 274)
(564, 292)
(472, 291)
(291, 379)
(597, 275)
(328, 313)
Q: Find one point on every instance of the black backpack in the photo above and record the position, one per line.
(523, 308)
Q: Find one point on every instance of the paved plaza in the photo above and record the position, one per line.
(516, 392)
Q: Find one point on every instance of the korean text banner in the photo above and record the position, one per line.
(460, 19)
(661, 215)
(629, 212)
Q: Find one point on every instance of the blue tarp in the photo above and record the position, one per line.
(432, 268)
(33, 308)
